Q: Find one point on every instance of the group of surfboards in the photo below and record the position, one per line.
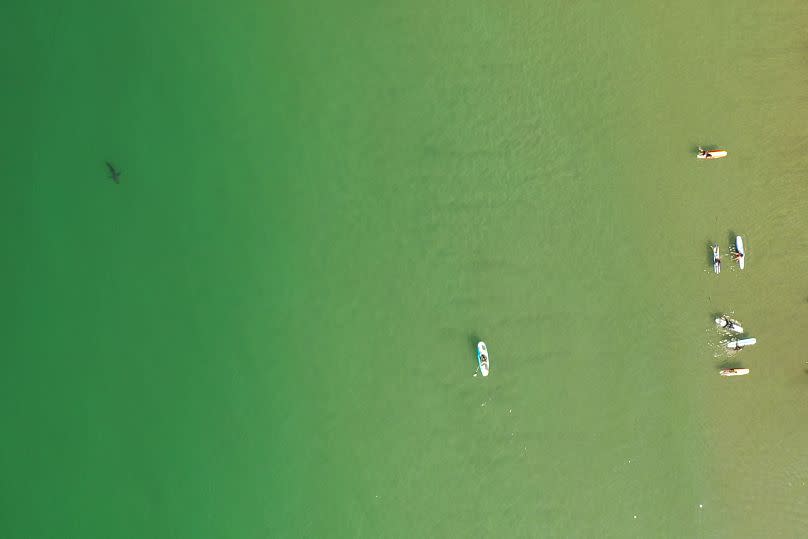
(733, 326)
(739, 255)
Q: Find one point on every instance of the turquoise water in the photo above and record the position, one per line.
(268, 328)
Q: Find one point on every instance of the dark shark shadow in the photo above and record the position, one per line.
(114, 173)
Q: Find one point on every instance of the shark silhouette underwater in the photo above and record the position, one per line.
(114, 174)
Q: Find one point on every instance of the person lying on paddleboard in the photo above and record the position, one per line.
(737, 256)
(704, 153)
(484, 360)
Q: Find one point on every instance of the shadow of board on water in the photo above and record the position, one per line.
(730, 364)
(473, 339)
(694, 149)
(709, 245)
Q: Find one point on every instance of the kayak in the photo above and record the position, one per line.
(483, 360)
(716, 259)
(739, 250)
(712, 154)
(729, 324)
(736, 345)
(734, 372)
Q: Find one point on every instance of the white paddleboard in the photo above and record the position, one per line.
(734, 372)
(716, 259)
(483, 359)
(740, 251)
(712, 154)
(741, 343)
(729, 325)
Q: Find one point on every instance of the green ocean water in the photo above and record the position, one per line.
(268, 328)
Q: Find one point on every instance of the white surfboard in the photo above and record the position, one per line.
(734, 372)
(729, 324)
(716, 259)
(483, 359)
(740, 251)
(735, 345)
(712, 154)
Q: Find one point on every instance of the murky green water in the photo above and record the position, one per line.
(268, 328)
